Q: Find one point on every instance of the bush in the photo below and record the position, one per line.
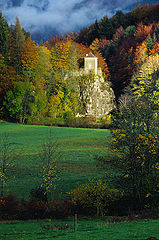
(38, 193)
(71, 121)
(33, 209)
(9, 207)
(61, 208)
(94, 196)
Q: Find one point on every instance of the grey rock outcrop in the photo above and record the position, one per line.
(99, 97)
(95, 95)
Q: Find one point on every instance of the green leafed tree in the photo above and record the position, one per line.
(129, 31)
(39, 106)
(18, 103)
(134, 149)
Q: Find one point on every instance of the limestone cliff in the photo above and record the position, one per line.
(95, 96)
(98, 97)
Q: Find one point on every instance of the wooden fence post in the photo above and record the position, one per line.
(75, 222)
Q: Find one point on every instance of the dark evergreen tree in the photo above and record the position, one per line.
(121, 18)
(82, 36)
(156, 34)
(19, 35)
(149, 43)
(106, 28)
(17, 41)
(4, 31)
(94, 31)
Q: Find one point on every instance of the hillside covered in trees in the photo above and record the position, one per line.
(43, 84)
(33, 82)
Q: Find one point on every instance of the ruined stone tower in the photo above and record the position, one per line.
(97, 95)
(91, 63)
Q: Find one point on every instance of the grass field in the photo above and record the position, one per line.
(86, 230)
(76, 163)
(77, 148)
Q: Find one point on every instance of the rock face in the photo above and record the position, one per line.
(99, 97)
(96, 97)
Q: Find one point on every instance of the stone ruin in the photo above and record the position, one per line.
(99, 96)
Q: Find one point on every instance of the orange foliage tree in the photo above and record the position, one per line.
(8, 77)
(95, 48)
(29, 56)
(142, 31)
(141, 54)
(155, 49)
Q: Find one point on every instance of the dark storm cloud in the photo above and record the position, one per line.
(62, 15)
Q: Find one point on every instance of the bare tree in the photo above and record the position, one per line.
(49, 156)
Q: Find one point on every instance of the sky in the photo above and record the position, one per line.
(63, 15)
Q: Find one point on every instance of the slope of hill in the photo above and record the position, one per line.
(76, 148)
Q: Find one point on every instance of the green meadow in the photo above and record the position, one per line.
(86, 230)
(76, 162)
(75, 154)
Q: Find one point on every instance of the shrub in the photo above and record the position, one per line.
(38, 193)
(9, 207)
(95, 195)
(61, 208)
(33, 209)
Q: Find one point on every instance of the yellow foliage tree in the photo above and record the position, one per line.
(43, 68)
(55, 104)
(60, 55)
(141, 54)
(49, 173)
(145, 81)
(96, 195)
(134, 147)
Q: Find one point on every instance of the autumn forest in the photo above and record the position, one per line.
(105, 171)
(33, 82)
